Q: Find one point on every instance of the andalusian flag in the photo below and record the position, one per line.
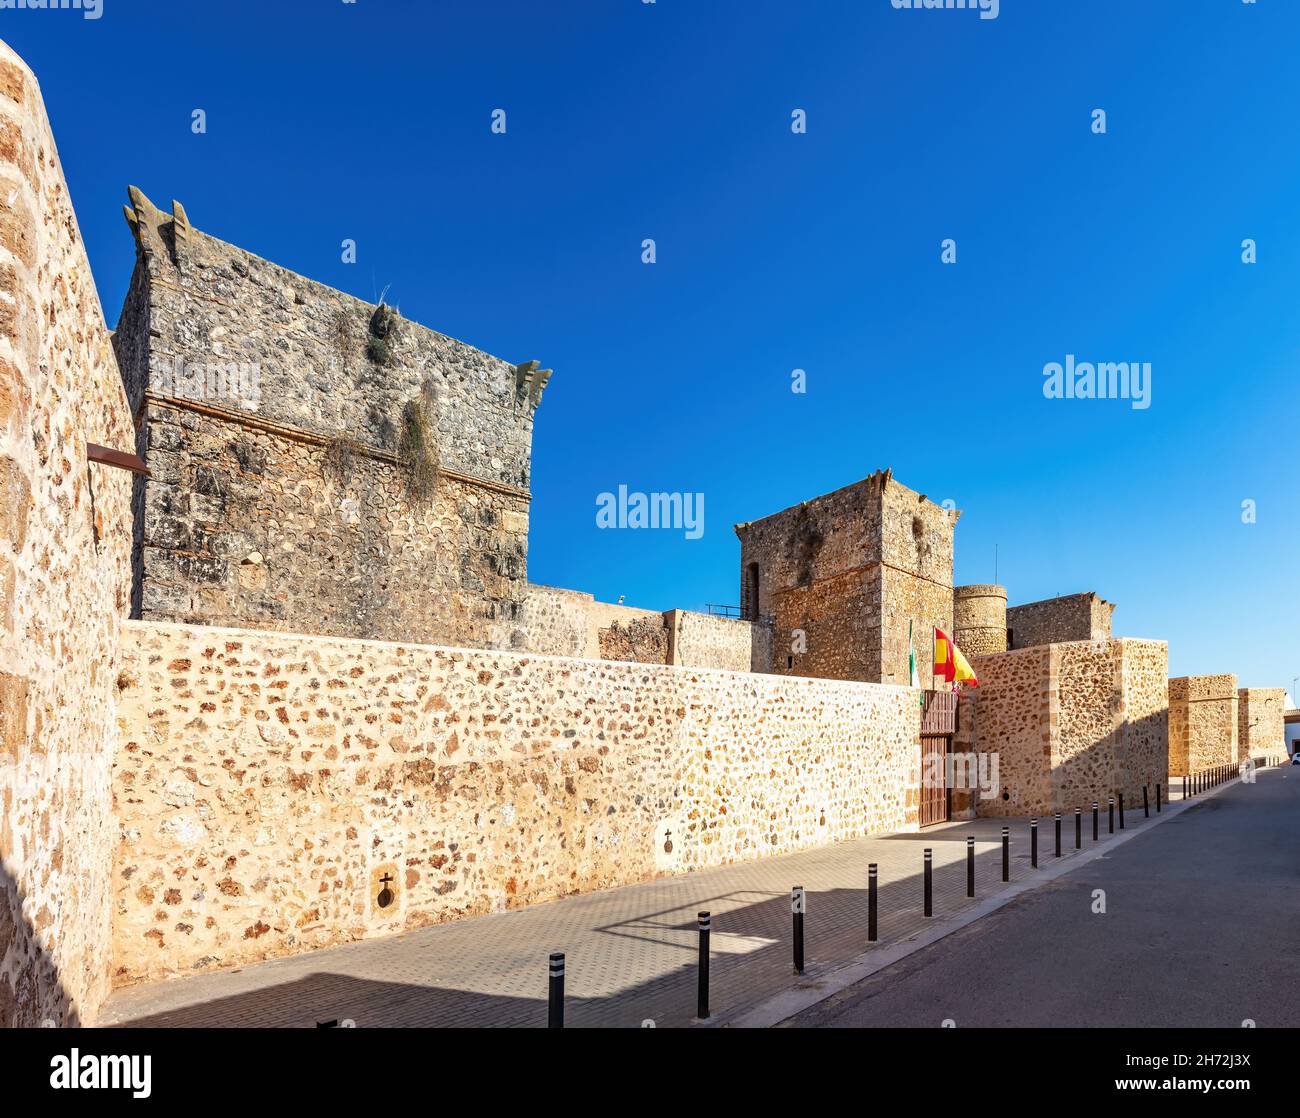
(912, 674)
(949, 663)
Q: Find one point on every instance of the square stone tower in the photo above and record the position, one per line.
(840, 576)
(317, 463)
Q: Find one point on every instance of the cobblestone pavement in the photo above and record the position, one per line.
(631, 952)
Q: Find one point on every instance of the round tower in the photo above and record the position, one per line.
(979, 618)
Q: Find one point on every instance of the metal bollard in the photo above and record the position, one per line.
(797, 905)
(871, 903)
(1110, 827)
(1033, 843)
(555, 1000)
(1058, 834)
(929, 882)
(1146, 808)
(702, 993)
(970, 865)
(1078, 827)
(1094, 820)
(1006, 853)
(1121, 811)
(1157, 799)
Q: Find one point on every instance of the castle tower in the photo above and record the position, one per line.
(317, 463)
(979, 618)
(842, 575)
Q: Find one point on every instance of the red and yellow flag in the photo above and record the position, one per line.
(949, 664)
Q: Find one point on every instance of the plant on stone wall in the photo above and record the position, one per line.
(383, 334)
(417, 448)
(340, 456)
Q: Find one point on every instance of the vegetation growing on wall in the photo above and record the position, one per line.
(417, 448)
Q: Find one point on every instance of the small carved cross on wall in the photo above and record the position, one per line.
(385, 897)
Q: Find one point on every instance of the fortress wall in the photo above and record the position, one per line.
(1075, 617)
(266, 784)
(1260, 724)
(1203, 722)
(1070, 723)
(258, 525)
(65, 536)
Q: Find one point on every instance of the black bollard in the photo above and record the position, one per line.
(1058, 834)
(1110, 826)
(1157, 799)
(555, 1002)
(1094, 820)
(1121, 811)
(1033, 843)
(702, 994)
(1146, 808)
(970, 865)
(1006, 853)
(797, 904)
(871, 903)
(929, 882)
(1078, 827)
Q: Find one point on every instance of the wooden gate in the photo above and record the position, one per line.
(934, 779)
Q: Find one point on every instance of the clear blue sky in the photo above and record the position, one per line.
(775, 251)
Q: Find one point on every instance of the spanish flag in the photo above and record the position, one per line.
(949, 664)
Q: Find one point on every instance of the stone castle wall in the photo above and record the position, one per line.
(1203, 722)
(264, 526)
(65, 536)
(1075, 617)
(1260, 722)
(842, 575)
(267, 783)
(1070, 723)
(570, 623)
(979, 619)
(277, 407)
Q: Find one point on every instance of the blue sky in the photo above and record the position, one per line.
(779, 251)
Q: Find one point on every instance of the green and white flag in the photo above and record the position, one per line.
(912, 675)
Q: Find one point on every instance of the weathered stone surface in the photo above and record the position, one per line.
(1074, 617)
(840, 576)
(1261, 729)
(65, 537)
(272, 779)
(979, 619)
(1203, 722)
(1069, 723)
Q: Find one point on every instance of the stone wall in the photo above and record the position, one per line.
(1075, 617)
(979, 619)
(570, 623)
(1070, 723)
(275, 406)
(1260, 728)
(65, 535)
(1203, 723)
(267, 783)
(260, 525)
(842, 575)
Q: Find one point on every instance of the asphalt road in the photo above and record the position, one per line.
(1201, 928)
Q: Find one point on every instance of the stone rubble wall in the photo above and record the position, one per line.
(979, 619)
(1074, 617)
(267, 784)
(1203, 722)
(258, 526)
(1070, 723)
(1260, 722)
(570, 623)
(65, 537)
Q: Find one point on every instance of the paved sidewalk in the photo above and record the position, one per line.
(630, 952)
